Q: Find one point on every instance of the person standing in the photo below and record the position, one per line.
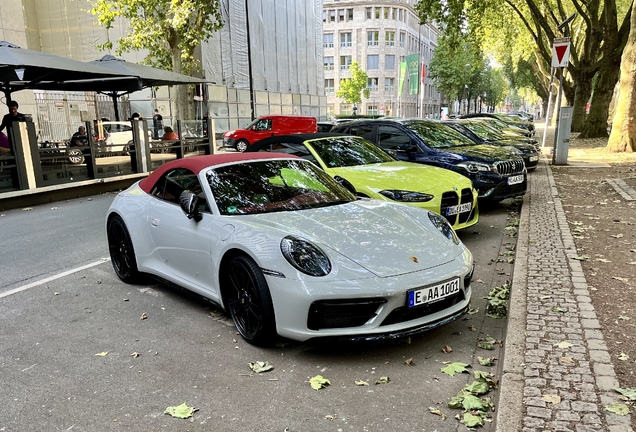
(8, 119)
(157, 123)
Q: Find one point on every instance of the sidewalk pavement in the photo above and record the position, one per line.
(557, 372)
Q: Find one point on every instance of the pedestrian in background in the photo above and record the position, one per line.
(157, 123)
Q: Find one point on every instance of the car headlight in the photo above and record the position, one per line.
(475, 166)
(443, 226)
(305, 256)
(406, 196)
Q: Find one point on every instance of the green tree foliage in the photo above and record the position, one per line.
(170, 30)
(524, 29)
(351, 89)
(462, 72)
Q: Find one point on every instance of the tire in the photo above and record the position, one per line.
(122, 253)
(75, 156)
(249, 301)
(241, 145)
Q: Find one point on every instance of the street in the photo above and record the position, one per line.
(75, 353)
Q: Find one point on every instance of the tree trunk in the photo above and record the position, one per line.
(180, 92)
(623, 136)
(582, 94)
(596, 124)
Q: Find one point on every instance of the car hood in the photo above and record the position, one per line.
(402, 176)
(386, 239)
(486, 152)
(520, 146)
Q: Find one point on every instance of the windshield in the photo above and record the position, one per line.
(273, 186)
(438, 135)
(339, 152)
(483, 131)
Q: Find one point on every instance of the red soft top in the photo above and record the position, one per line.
(197, 163)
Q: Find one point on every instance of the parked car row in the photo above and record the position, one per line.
(343, 234)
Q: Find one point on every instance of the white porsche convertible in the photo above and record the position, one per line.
(287, 251)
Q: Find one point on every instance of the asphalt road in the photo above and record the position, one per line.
(188, 351)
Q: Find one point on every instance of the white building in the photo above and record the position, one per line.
(379, 36)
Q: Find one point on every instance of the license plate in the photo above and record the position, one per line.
(533, 158)
(515, 179)
(461, 208)
(433, 293)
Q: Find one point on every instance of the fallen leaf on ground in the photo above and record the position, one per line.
(617, 235)
(437, 412)
(486, 361)
(472, 311)
(102, 354)
(581, 257)
(568, 360)
(446, 349)
(629, 393)
(623, 357)
(558, 309)
(552, 398)
(260, 366)
(383, 380)
(362, 383)
(330, 417)
(318, 382)
(622, 279)
(182, 411)
(135, 354)
(409, 362)
(624, 318)
(618, 408)
(143, 316)
(563, 345)
(454, 368)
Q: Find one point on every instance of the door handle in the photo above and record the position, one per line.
(154, 222)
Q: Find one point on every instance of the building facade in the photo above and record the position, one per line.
(378, 36)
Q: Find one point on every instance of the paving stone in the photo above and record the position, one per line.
(604, 369)
(533, 422)
(534, 401)
(590, 324)
(539, 412)
(606, 383)
(600, 356)
(568, 416)
(559, 426)
(595, 344)
(584, 406)
(531, 392)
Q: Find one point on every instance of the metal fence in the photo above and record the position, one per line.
(59, 114)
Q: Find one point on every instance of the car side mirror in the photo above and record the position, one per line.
(346, 184)
(189, 203)
(408, 148)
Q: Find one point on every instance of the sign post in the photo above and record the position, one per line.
(560, 59)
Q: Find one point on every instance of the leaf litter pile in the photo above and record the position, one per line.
(603, 225)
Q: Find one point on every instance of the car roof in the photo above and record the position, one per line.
(292, 138)
(197, 163)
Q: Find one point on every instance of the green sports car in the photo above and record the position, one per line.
(369, 171)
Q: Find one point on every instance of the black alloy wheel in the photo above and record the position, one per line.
(249, 301)
(121, 250)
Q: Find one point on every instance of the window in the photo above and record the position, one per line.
(341, 15)
(387, 12)
(372, 84)
(389, 38)
(345, 62)
(328, 61)
(390, 138)
(170, 186)
(369, 13)
(389, 62)
(345, 39)
(373, 61)
(345, 109)
(394, 14)
(350, 14)
(372, 109)
(324, 16)
(332, 15)
(402, 37)
(373, 37)
(361, 131)
(329, 86)
(327, 40)
(389, 84)
(400, 14)
(377, 12)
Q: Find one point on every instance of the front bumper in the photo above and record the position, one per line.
(502, 190)
(229, 142)
(295, 304)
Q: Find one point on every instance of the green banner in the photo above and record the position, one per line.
(413, 65)
(402, 75)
